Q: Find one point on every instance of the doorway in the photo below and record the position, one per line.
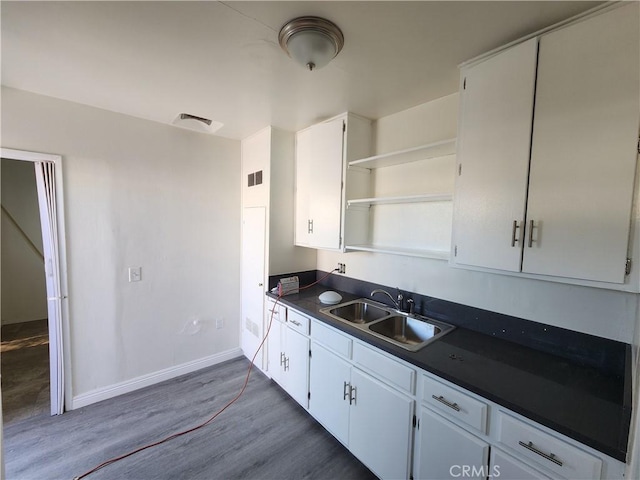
(25, 339)
(30, 335)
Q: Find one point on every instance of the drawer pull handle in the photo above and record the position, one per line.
(441, 399)
(296, 323)
(551, 457)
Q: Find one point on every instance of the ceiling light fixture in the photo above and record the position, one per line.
(311, 41)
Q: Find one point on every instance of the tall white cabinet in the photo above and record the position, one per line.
(570, 98)
(322, 153)
(267, 229)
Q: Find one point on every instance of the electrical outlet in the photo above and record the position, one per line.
(219, 323)
(342, 268)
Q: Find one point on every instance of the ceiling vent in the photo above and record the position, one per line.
(197, 124)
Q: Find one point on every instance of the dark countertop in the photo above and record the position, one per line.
(581, 402)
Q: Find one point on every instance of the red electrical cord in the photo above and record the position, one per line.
(213, 417)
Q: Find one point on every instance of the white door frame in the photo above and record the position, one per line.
(64, 394)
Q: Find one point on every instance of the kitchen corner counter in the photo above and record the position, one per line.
(581, 402)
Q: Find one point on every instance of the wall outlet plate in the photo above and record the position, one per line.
(135, 274)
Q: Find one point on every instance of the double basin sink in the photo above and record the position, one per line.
(411, 332)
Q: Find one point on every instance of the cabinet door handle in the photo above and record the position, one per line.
(281, 358)
(286, 364)
(309, 226)
(550, 456)
(530, 233)
(514, 238)
(352, 395)
(296, 323)
(441, 399)
(346, 392)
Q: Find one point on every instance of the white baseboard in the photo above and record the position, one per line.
(111, 391)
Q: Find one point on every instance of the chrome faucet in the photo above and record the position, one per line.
(397, 303)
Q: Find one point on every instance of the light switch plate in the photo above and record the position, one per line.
(135, 274)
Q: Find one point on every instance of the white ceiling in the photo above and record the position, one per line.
(221, 60)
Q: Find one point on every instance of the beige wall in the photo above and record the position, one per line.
(139, 193)
(24, 293)
(605, 313)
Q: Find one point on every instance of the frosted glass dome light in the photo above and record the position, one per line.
(311, 41)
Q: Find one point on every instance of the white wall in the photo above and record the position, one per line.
(605, 313)
(139, 193)
(24, 292)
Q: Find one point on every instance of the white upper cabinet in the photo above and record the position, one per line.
(325, 184)
(322, 152)
(583, 156)
(493, 158)
(566, 213)
(303, 175)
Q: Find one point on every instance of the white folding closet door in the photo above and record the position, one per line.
(46, 186)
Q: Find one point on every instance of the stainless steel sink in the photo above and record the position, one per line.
(357, 311)
(408, 332)
(411, 332)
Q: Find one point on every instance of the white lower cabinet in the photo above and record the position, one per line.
(328, 383)
(371, 418)
(380, 426)
(445, 450)
(275, 354)
(403, 422)
(297, 366)
(288, 357)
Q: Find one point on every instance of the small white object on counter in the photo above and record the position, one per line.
(330, 298)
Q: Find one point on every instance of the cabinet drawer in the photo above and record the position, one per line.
(506, 466)
(546, 450)
(457, 404)
(384, 367)
(298, 322)
(331, 339)
(279, 311)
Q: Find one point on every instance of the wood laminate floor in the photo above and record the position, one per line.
(265, 435)
(24, 363)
